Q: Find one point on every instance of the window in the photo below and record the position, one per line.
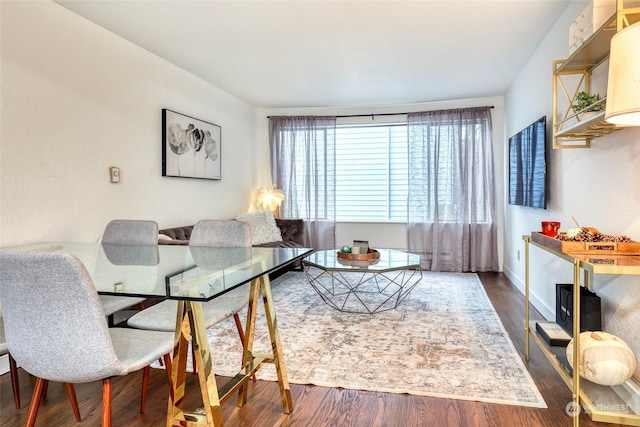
(371, 173)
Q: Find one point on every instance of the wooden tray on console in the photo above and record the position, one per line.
(570, 247)
(369, 256)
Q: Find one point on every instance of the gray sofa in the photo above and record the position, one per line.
(292, 231)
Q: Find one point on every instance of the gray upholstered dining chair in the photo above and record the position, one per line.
(206, 233)
(57, 331)
(127, 232)
(15, 381)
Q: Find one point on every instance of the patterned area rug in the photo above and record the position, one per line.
(444, 340)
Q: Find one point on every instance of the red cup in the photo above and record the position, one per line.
(550, 228)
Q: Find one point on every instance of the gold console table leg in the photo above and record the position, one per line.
(526, 298)
(576, 342)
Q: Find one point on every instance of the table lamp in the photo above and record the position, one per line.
(270, 199)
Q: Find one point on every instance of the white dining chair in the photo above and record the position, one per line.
(56, 328)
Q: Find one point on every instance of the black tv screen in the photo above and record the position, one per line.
(528, 167)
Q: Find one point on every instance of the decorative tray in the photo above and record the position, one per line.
(578, 247)
(369, 256)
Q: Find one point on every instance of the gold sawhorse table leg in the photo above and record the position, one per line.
(190, 324)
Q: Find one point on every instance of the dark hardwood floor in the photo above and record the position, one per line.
(316, 406)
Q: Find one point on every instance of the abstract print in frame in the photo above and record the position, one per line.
(190, 147)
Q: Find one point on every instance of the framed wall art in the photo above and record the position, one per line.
(190, 147)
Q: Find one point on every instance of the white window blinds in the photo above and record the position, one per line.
(371, 173)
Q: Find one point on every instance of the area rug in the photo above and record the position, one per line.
(444, 340)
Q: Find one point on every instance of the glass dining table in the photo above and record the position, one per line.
(193, 275)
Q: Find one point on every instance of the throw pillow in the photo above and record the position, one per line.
(263, 227)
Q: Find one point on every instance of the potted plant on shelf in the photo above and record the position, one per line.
(585, 104)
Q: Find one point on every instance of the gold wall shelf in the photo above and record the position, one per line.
(592, 127)
(568, 130)
(593, 51)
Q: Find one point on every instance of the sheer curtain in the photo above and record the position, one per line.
(303, 166)
(452, 201)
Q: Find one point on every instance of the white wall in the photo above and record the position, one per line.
(77, 99)
(600, 186)
(384, 234)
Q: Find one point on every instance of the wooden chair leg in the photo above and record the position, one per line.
(106, 402)
(35, 402)
(45, 389)
(241, 333)
(71, 392)
(145, 385)
(167, 364)
(15, 381)
(236, 317)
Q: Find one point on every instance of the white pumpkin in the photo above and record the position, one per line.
(604, 358)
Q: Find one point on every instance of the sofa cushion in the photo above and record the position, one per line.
(292, 230)
(174, 242)
(263, 227)
(176, 233)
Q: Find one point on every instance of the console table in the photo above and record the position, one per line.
(604, 404)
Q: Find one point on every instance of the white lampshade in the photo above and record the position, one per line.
(623, 91)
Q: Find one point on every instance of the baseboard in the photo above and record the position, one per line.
(545, 310)
(4, 364)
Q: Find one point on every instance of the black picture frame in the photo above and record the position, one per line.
(191, 148)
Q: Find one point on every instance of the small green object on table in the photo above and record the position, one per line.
(345, 249)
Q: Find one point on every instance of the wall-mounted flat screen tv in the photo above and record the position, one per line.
(528, 166)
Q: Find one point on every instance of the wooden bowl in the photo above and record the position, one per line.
(369, 256)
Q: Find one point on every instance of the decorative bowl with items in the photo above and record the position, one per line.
(360, 254)
(583, 240)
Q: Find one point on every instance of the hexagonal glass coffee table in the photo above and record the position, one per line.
(363, 286)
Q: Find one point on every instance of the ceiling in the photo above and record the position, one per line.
(337, 53)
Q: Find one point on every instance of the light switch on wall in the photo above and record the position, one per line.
(114, 174)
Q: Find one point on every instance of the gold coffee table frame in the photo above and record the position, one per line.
(363, 286)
